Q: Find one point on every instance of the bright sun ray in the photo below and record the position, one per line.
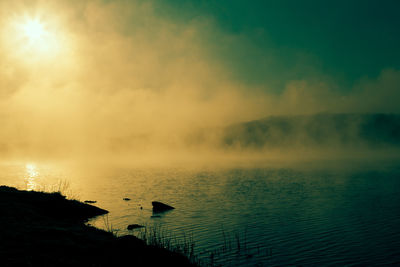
(36, 37)
(34, 30)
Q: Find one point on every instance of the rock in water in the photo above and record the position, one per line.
(134, 226)
(160, 207)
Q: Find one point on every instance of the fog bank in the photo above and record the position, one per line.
(121, 82)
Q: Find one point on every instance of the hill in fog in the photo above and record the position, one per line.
(322, 130)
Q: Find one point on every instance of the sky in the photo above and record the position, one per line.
(98, 75)
(288, 40)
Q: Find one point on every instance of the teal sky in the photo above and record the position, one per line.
(278, 41)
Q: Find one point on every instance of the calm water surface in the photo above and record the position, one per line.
(281, 216)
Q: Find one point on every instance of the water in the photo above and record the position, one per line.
(297, 215)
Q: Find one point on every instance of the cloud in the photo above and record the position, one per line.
(121, 72)
(369, 95)
(125, 78)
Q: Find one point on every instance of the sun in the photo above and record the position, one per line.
(34, 34)
(35, 37)
(34, 31)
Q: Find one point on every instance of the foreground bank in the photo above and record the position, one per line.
(46, 229)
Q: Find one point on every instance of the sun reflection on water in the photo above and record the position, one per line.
(31, 176)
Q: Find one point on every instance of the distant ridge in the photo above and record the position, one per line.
(322, 130)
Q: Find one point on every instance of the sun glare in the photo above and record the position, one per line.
(31, 175)
(36, 36)
(34, 30)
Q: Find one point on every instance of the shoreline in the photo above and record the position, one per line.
(46, 229)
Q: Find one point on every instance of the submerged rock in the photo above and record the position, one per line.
(134, 226)
(160, 207)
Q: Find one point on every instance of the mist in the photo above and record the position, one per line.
(123, 83)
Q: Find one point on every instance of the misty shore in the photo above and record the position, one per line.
(46, 229)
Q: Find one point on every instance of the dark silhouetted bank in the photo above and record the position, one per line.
(46, 229)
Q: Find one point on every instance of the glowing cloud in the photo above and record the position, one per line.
(34, 31)
(34, 36)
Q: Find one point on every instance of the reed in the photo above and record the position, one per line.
(108, 226)
(233, 247)
(63, 187)
(161, 237)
